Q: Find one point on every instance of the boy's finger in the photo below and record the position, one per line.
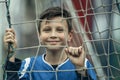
(9, 37)
(73, 51)
(80, 49)
(66, 51)
(10, 30)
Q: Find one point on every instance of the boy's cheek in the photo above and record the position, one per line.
(63, 37)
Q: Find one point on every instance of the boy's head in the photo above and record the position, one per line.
(55, 28)
(56, 12)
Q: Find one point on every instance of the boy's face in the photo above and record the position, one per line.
(54, 33)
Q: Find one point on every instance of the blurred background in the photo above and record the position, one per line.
(95, 22)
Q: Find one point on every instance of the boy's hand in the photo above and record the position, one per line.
(9, 37)
(77, 56)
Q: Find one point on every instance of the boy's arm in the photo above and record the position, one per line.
(78, 57)
(12, 64)
(12, 68)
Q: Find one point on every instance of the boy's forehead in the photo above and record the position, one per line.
(54, 20)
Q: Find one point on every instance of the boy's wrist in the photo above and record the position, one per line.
(12, 59)
(11, 54)
(81, 70)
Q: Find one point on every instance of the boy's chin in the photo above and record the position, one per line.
(54, 47)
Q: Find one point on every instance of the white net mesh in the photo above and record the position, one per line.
(96, 26)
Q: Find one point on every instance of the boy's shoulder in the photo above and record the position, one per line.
(32, 59)
(29, 61)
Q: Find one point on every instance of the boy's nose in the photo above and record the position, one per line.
(53, 33)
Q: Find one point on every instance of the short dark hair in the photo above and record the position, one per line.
(55, 12)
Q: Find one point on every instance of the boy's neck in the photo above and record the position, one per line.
(55, 58)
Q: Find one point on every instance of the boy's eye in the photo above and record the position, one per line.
(47, 29)
(60, 30)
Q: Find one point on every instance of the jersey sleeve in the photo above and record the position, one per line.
(90, 70)
(24, 72)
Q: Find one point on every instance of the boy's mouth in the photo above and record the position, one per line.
(53, 42)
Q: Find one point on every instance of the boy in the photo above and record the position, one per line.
(56, 63)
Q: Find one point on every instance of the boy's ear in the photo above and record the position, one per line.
(39, 35)
(70, 36)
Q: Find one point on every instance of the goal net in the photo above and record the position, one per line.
(96, 25)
